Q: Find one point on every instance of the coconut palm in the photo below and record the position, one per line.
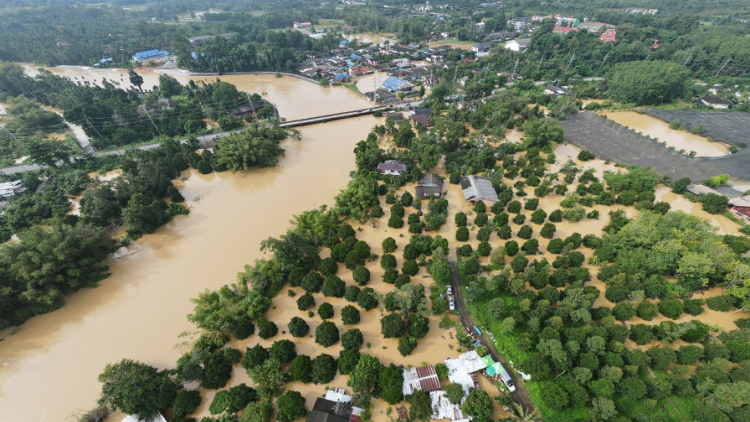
(525, 415)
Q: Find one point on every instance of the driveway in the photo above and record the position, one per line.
(521, 396)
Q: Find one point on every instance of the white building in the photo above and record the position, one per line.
(481, 50)
(518, 45)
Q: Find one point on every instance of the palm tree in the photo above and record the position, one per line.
(525, 415)
(294, 133)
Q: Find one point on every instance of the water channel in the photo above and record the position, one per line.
(48, 367)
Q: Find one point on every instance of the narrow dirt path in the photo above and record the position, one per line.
(521, 396)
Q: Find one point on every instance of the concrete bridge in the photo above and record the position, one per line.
(331, 117)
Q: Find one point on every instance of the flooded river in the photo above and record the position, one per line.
(659, 130)
(295, 98)
(48, 368)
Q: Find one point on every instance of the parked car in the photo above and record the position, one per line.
(452, 305)
(449, 289)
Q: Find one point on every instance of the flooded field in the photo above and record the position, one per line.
(140, 310)
(373, 38)
(657, 129)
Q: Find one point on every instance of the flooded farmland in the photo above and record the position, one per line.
(129, 314)
(659, 130)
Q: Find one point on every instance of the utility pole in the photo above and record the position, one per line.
(687, 61)
(540, 65)
(152, 122)
(646, 59)
(9, 132)
(604, 61)
(514, 68)
(203, 109)
(725, 63)
(93, 127)
(571, 61)
(251, 102)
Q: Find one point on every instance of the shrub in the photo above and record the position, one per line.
(574, 214)
(688, 355)
(350, 315)
(407, 199)
(312, 282)
(388, 261)
(298, 327)
(485, 248)
(511, 248)
(410, 267)
(519, 263)
(623, 311)
(243, 328)
(377, 211)
(714, 204)
(479, 206)
(406, 345)
(186, 402)
(232, 400)
(395, 222)
(592, 242)
(460, 219)
(392, 325)
(647, 310)
(305, 302)
(328, 266)
(352, 293)
(323, 369)
(267, 329)
(389, 245)
(333, 287)
(514, 207)
(465, 251)
(462, 234)
(722, 303)
(299, 369)
(532, 204)
(481, 219)
(326, 334)
(519, 219)
(586, 155)
(367, 299)
(555, 246)
(352, 339)
(505, 232)
(538, 216)
(693, 306)
(361, 275)
(325, 310)
(548, 231)
(530, 247)
(556, 216)
(525, 232)
(671, 308)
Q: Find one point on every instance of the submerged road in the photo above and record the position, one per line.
(521, 396)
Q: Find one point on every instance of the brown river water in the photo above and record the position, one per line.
(139, 312)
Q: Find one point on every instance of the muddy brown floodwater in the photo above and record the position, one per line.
(48, 369)
(680, 139)
(295, 98)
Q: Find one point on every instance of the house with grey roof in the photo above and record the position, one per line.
(477, 188)
(430, 185)
(392, 167)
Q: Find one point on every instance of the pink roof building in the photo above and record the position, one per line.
(609, 35)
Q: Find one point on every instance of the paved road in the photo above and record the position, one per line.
(203, 140)
(521, 396)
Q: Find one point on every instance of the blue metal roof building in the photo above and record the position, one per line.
(150, 54)
(393, 83)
